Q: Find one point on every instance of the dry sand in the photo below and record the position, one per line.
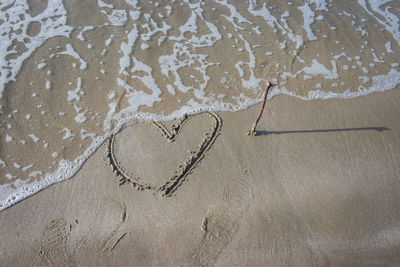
(320, 186)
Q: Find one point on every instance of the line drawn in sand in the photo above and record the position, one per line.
(221, 224)
(176, 180)
(52, 246)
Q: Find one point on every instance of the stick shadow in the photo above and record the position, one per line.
(379, 129)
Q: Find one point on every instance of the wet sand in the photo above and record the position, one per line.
(319, 186)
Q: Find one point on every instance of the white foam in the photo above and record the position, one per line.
(387, 19)
(101, 3)
(144, 46)
(139, 98)
(388, 46)
(376, 59)
(86, 134)
(308, 17)
(41, 65)
(364, 79)
(273, 22)
(362, 31)
(34, 138)
(169, 10)
(127, 48)
(71, 52)
(107, 122)
(27, 167)
(171, 89)
(11, 194)
(183, 48)
(133, 3)
(48, 85)
(86, 28)
(321, 5)
(381, 83)
(8, 138)
(74, 94)
(80, 117)
(35, 174)
(111, 95)
(53, 23)
(319, 69)
(67, 134)
(108, 41)
(10, 176)
(118, 17)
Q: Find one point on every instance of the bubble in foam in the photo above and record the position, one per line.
(14, 28)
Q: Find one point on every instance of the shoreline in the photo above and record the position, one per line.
(125, 133)
(77, 163)
(319, 186)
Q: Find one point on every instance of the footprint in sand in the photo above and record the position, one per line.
(52, 244)
(91, 247)
(57, 237)
(222, 223)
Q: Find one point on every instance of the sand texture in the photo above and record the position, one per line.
(319, 186)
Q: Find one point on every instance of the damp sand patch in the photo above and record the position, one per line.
(169, 161)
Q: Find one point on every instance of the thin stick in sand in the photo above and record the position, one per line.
(253, 129)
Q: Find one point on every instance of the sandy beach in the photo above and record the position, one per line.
(318, 187)
(124, 124)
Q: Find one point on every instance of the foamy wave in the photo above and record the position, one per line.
(15, 29)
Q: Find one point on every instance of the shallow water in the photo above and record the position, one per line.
(72, 73)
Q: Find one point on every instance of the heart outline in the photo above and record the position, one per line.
(176, 180)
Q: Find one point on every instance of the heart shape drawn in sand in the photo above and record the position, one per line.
(173, 182)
